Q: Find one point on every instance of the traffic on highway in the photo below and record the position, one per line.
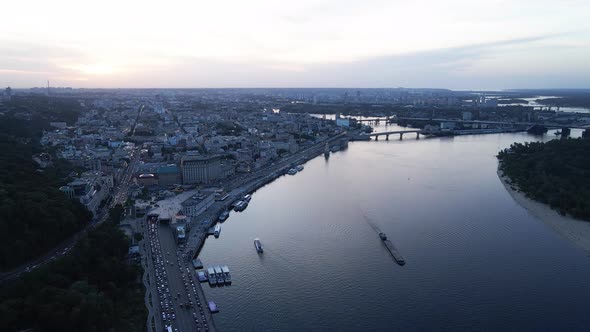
(180, 304)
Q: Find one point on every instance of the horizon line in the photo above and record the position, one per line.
(291, 88)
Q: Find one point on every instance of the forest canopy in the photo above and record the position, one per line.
(555, 173)
(94, 288)
(34, 215)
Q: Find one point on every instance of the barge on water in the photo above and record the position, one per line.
(219, 274)
(392, 249)
(226, 274)
(211, 276)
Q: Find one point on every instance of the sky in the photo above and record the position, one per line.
(455, 44)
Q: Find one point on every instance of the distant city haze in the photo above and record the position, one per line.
(456, 44)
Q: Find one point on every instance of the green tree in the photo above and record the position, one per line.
(116, 213)
(556, 173)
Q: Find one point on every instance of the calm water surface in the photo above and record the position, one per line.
(475, 259)
(533, 102)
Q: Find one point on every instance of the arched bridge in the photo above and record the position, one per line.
(397, 132)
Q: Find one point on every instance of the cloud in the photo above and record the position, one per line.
(448, 67)
(532, 61)
(24, 62)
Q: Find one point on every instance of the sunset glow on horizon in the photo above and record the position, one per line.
(455, 44)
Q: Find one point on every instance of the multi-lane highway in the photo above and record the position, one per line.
(175, 299)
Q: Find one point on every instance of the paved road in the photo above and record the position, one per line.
(181, 276)
(154, 323)
(172, 296)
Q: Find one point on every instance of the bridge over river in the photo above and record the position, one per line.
(397, 132)
(497, 123)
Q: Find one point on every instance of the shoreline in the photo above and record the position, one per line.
(575, 231)
(209, 213)
(252, 185)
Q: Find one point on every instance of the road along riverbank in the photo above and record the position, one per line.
(207, 216)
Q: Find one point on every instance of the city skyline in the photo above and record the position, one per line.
(493, 44)
(313, 165)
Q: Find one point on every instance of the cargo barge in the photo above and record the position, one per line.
(392, 249)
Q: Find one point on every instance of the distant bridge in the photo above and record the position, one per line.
(501, 123)
(394, 119)
(376, 120)
(395, 132)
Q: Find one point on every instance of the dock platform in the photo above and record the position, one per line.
(197, 264)
(202, 276)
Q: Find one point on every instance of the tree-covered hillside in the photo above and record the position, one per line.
(34, 215)
(94, 288)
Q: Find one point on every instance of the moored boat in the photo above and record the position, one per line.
(211, 276)
(226, 274)
(219, 275)
(212, 307)
(224, 215)
(241, 206)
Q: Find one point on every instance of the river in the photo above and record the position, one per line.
(535, 102)
(475, 259)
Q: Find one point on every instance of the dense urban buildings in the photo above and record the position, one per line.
(204, 170)
(168, 165)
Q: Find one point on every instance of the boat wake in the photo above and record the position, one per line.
(276, 260)
(390, 247)
(370, 222)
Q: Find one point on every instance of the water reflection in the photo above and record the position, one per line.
(475, 259)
